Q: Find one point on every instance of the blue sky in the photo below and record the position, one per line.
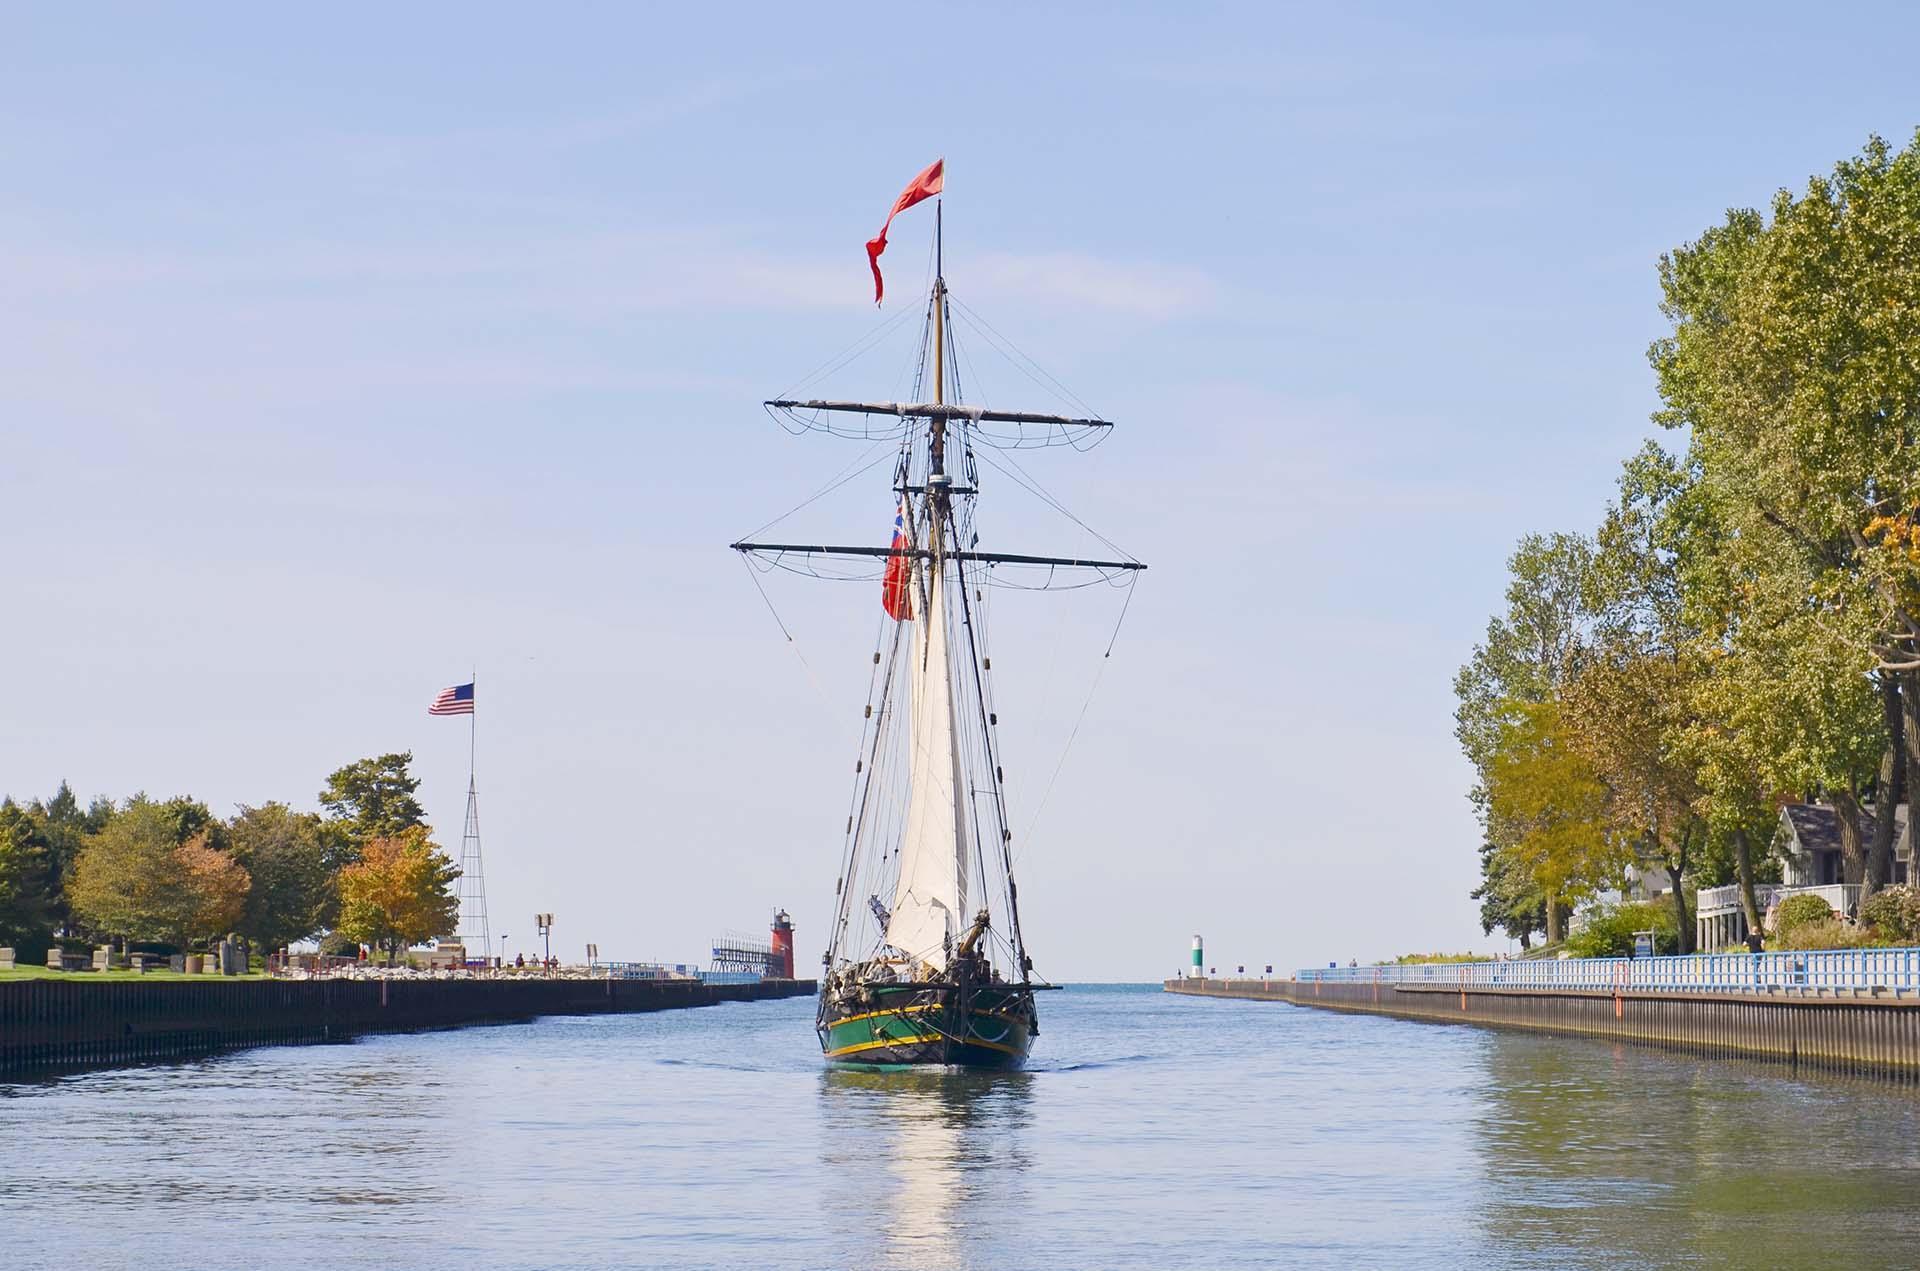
(341, 353)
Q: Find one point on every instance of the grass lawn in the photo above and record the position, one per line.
(102, 977)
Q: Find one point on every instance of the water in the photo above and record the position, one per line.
(1150, 1131)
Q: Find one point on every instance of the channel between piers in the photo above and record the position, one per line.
(1871, 1030)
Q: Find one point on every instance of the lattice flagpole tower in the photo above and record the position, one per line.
(474, 931)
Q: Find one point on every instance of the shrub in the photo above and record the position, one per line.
(1829, 933)
(1796, 911)
(1893, 913)
(1607, 932)
(1421, 959)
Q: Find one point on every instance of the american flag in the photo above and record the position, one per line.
(457, 700)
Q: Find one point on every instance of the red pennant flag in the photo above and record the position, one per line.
(895, 597)
(924, 186)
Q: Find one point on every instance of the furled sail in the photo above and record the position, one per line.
(930, 899)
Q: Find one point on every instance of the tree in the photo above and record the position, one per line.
(1510, 900)
(399, 892)
(211, 892)
(1794, 363)
(1523, 659)
(292, 858)
(1553, 802)
(1631, 701)
(373, 798)
(1622, 712)
(63, 827)
(26, 905)
(137, 880)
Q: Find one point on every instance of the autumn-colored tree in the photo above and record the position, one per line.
(212, 889)
(1553, 802)
(399, 892)
(1525, 656)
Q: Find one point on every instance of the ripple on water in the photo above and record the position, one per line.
(1149, 1131)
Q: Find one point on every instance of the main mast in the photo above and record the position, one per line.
(937, 485)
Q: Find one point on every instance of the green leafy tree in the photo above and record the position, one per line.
(26, 893)
(1794, 364)
(1608, 931)
(1511, 902)
(399, 892)
(292, 858)
(63, 827)
(374, 798)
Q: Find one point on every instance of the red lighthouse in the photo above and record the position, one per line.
(780, 965)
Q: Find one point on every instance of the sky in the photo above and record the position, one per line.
(346, 353)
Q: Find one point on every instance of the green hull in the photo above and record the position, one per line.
(902, 1025)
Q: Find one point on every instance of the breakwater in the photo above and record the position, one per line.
(56, 1024)
(1861, 1031)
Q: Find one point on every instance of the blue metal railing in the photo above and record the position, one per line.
(1893, 969)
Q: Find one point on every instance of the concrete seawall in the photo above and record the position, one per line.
(56, 1024)
(1852, 1033)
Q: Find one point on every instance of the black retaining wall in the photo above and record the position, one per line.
(53, 1024)
(1860, 1034)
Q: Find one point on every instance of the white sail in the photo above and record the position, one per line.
(930, 900)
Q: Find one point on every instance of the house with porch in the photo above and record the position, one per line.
(1807, 843)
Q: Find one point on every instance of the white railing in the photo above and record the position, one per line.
(1893, 969)
(1843, 898)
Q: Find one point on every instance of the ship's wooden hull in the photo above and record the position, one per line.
(912, 1025)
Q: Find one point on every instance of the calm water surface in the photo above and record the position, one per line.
(1151, 1131)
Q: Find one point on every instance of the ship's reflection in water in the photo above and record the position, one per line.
(944, 1153)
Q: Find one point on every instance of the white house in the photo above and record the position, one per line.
(1807, 842)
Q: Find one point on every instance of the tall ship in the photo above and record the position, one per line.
(927, 962)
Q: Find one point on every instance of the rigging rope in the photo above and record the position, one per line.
(1007, 349)
(845, 475)
(1074, 735)
(859, 348)
(791, 642)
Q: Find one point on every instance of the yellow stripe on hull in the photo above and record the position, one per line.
(885, 1041)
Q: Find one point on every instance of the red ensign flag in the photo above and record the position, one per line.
(896, 596)
(924, 186)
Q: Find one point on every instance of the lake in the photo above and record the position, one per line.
(1149, 1131)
